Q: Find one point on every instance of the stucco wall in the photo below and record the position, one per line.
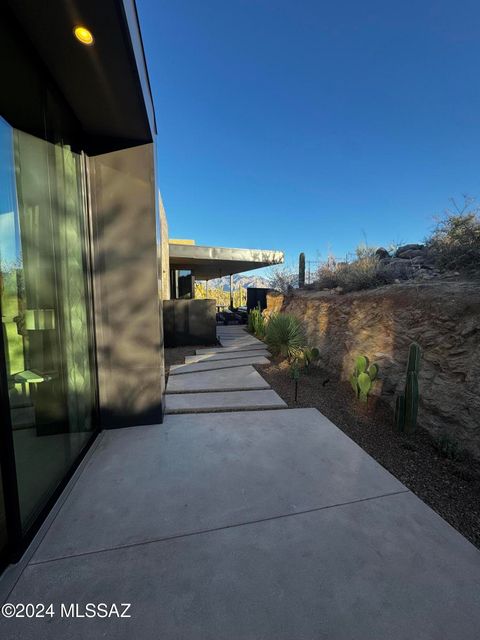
(442, 317)
(165, 252)
(128, 316)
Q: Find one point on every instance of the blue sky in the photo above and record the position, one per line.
(304, 125)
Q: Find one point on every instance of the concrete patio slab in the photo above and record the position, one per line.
(178, 369)
(236, 379)
(245, 347)
(223, 401)
(387, 567)
(206, 471)
(227, 355)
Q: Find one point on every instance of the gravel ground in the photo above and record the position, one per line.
(176, 355)
(450, 487)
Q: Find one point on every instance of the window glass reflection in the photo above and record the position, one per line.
(46, 324)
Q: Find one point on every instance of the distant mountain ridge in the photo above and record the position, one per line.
(238, 281)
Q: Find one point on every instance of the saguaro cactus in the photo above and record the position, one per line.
(406, 407)
(301, 270)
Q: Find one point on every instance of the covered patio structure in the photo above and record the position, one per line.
(192, 321)
(190, 262)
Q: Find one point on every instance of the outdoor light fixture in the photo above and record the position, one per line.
(83, 35)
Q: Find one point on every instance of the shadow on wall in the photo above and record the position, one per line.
(126, 287)
(382, 323)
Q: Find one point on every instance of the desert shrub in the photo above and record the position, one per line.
(455, 240)
(285, 335)
(282, 278)
(360, 272)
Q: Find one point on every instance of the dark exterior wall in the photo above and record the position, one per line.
(127, 301)
(256, 295)
(189, 322)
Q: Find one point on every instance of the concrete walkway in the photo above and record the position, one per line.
(223, 380)
(246, 525)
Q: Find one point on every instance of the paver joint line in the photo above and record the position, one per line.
(190, 534)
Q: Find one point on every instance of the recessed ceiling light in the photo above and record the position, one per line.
(83, 35)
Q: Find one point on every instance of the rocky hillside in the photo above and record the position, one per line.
(441, 314)
(409, 261)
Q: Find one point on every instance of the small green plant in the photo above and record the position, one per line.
(363, 377)
(308, 356)
(256, 322)
(285, 336)
(295, 372)
(301, 270)
(250, 321)
(448, 448)
(406, 405)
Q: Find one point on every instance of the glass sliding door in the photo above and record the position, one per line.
(46, 321)
(9, 260)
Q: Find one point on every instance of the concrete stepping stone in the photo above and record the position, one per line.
(237, 378)
(208, 365)
(241, 345)
(227, 342)
(226, 355)
(223, 401)
(245, 347)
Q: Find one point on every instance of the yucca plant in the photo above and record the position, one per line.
(285, 336)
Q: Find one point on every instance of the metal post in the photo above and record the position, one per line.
(231, 292)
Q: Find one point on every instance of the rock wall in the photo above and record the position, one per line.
(442, 316)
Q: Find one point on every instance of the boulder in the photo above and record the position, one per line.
(382, 253)
(412, 253)
(399, 253)
(424, 261)
(396, 269)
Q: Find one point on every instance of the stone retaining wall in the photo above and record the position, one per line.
(443, 317)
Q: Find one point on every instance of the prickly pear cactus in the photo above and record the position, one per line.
(373, 371)
(364, 385)
(361, 364)
(363, 377)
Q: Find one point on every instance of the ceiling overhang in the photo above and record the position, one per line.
(106, 85)
(214, 262)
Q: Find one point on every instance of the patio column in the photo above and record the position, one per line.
(231, 292)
